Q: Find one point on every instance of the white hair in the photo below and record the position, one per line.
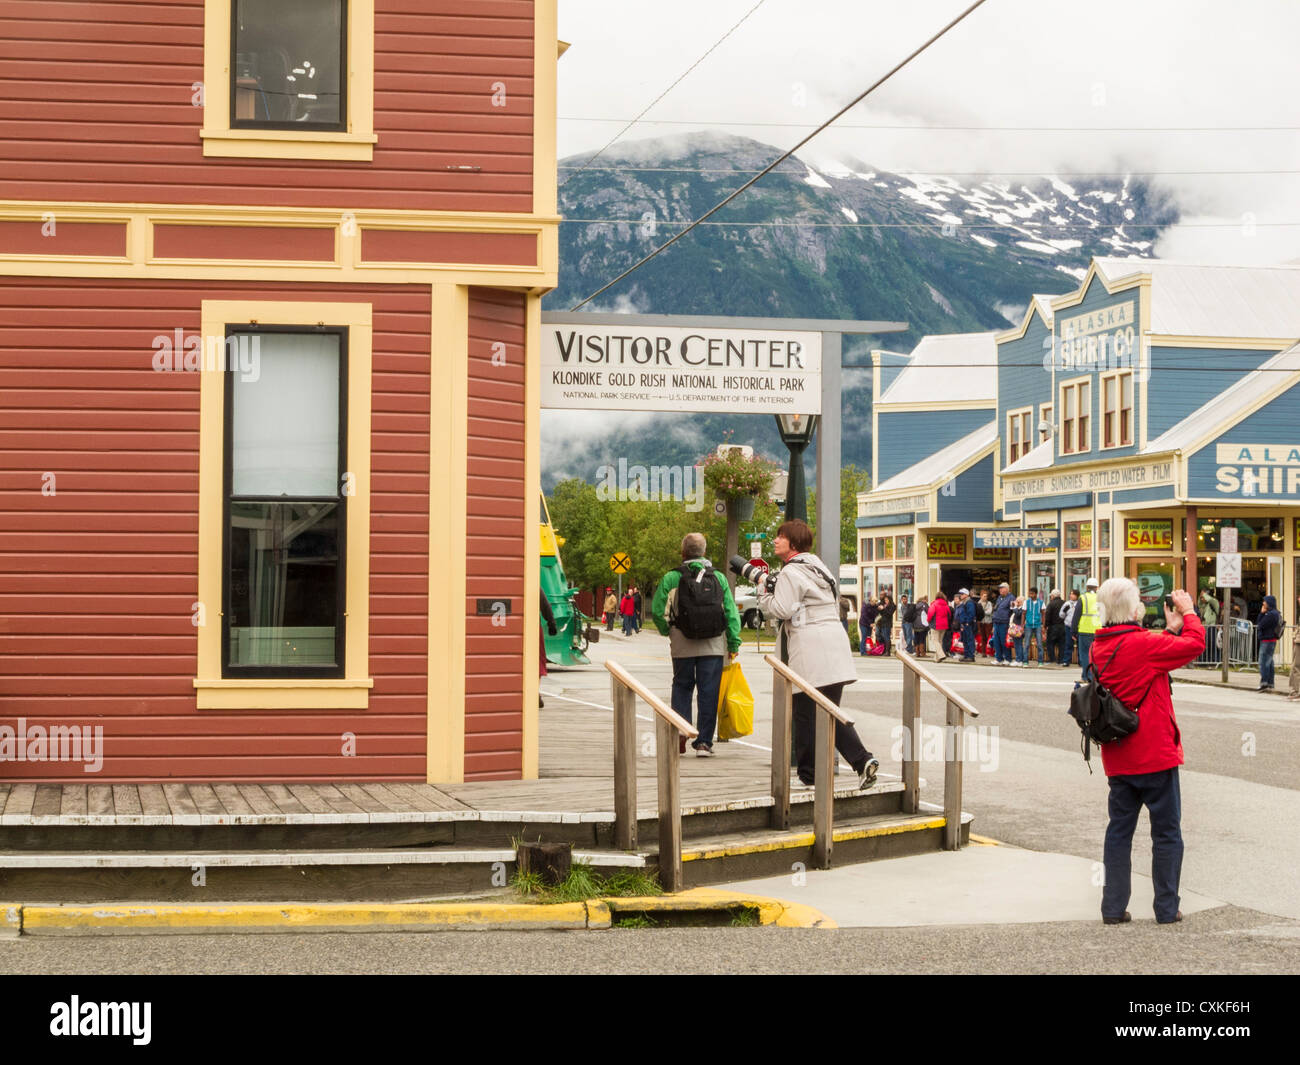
(1118, 601)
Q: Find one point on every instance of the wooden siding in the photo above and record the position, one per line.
(497, 538)
(95, 105)
(98, 580)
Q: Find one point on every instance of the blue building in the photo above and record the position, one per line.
(1136, 418)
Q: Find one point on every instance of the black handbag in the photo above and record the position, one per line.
(1101, 715)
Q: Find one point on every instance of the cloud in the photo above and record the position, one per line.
(1111, 89)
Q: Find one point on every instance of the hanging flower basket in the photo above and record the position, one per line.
(742, 507)
(732, 475)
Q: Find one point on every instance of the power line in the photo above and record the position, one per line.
(929, 225)
(921, 128)
(1039, 366)
(921, 173)
(666, 91)
(772, 166)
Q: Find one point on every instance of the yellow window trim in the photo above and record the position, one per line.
(352, 691)
(355, 144)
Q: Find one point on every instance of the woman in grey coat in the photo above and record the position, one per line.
(805, 599)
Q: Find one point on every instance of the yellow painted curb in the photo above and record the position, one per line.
(985, 840)
(805, 839)
(135, 919)
(598, 914)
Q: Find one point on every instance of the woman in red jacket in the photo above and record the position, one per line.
(940, 618)
(1134, 663)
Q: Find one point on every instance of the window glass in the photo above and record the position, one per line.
(904, 546)
(284, 584)
(288, 59)
(285, 418)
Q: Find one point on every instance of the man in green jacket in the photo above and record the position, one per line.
(709, 614)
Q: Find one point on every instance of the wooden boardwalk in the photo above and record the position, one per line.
(575, 785)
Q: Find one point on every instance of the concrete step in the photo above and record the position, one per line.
(747, 855)
(376, 875)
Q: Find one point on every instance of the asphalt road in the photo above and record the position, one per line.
(1221, 941)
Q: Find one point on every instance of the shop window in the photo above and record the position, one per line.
(866, 546)
(884, 548)
(1076, 575)
(885, 581)
(1103, 534)
(1076, 407)
(907, 581)
(1078, 536)
(1104, 569)
(1253, 534)
(289, 79)
(1019, 437)
(904, 546)
(284, 511)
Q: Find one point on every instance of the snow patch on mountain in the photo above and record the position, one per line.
(816, 180)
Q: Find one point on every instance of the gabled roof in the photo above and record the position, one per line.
(945, 462)
(1230, 405)
(948, 367)
(1214, 301)
(1037, 458)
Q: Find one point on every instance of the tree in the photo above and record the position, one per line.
(583, 521)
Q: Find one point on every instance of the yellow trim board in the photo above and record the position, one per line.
(356, 143)
(532, 520)
(212, 691)
(448, 524)
(806, 839)
(546, 57)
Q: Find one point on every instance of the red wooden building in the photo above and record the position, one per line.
(270, 282)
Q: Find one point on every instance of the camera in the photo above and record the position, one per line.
(756, 573)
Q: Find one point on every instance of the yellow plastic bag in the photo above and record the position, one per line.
(735, 704)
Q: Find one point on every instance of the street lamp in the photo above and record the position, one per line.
(796, 433)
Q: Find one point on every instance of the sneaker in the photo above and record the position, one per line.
(803, 785)
(867, 778)
(1124, 919)
(704, 750)
(1262, 688)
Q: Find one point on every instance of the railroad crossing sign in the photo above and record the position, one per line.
(620, 563)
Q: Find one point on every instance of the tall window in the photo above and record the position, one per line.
(285, 505)
(1045, 418)
(1076, 406)
(1019, 434)
(288, 64)
(1117, 409)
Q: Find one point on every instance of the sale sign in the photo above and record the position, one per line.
(1149, 535)
(943, 545)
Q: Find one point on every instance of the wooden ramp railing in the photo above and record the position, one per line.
(913, 674)
(784, 681)
(669, 725)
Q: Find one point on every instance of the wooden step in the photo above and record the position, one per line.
(377, 875)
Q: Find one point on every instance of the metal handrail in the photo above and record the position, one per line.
(669, 725)
(913, 674)
(784, 681)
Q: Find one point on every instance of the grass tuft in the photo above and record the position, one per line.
(583, 882)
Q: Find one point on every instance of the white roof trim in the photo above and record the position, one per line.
(947, 367)
(944, 463)
(1230, 405)
(1037, 458)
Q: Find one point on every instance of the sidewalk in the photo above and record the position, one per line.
(985, 883)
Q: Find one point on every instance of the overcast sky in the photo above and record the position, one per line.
(1111, 66)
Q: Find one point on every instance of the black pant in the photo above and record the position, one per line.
(805, 734)
(1055, 648)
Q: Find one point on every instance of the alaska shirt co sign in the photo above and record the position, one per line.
(746, 371)
(1033, 539)
(1257, 469)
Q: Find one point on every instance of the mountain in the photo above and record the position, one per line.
(838, 241)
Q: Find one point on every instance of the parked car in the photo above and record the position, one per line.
(747, 605)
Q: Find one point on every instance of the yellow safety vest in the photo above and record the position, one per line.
(1088, 619)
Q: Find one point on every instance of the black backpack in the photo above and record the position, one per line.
(1101, 716)
(701, 604)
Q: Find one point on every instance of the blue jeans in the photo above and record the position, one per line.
(882, 638)
(1000, 641)
(702, 674)
(1160, 794)
(1034, 638)
(1067, 647)
(1266, 651)
(628, 624)
(968, 641)
(909, 637)
(1019, 641)
(1085, 648)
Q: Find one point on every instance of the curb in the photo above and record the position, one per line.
(142, 919)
